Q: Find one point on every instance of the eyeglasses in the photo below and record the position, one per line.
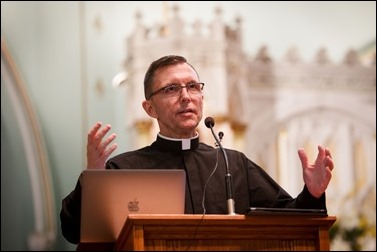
(175, 89)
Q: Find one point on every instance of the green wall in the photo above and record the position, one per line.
(61, 59)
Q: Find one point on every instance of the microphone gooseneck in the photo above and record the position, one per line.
(210, 122)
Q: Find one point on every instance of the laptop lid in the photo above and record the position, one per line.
(108, 196)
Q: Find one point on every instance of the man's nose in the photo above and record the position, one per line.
(184, 93)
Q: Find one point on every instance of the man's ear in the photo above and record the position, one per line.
(148, 107)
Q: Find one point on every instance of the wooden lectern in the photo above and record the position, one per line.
(225, 232)
(221, 232)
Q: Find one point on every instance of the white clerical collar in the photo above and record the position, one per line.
(186, 142)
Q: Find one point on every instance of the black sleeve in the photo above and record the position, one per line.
(70, 215)
(306, 200)
(266, 192)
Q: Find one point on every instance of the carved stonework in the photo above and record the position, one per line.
(269, 108)
(143, 127)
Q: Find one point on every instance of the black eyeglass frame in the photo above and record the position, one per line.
(163, 89)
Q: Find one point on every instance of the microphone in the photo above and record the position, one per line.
(221, 135)
(210, 122)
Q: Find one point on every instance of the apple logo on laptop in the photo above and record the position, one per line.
(133, 206)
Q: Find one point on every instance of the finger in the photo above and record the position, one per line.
(329, 163)
(321, 154)
(303, 157)
(110, 150)
(327, 152)
(103, 132)
(93, 131)
(328, 160)
(108, 140)
(97, 139)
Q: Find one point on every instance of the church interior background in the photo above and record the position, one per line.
(267, 107)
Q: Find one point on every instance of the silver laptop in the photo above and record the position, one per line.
(108, 196)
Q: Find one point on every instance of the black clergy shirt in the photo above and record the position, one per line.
(252, 186)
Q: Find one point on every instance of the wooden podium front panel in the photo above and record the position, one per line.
(225, 232)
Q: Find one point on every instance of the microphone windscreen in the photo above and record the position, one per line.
(209, 122)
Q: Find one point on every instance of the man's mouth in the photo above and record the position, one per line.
(186, 111)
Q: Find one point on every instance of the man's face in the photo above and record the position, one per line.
(179, 115)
